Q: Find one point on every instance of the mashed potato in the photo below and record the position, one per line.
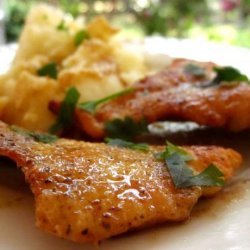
(99, 66)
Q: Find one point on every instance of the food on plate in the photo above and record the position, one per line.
(186, 91)
(87, 192)
(68, 75)
(56, 52)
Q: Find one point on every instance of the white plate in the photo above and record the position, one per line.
(219, 223)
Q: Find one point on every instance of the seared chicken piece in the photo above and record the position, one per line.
(174, 94)
(88, 192)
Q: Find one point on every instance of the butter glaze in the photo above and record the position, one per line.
(87, 192)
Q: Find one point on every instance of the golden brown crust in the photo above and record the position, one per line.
(87, 192)
(175, 95)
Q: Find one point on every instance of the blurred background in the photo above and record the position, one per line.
(226, 21)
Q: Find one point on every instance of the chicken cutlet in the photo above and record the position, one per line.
(175, 94)
(87, 192)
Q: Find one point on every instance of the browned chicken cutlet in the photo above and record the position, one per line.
(174, 94)
(87, 192)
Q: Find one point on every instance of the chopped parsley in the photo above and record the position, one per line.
(127, 144)
(226, 76)
(80, 36)
(126, 129)
(66, 113)
(171, 149)
(62, 26)
(39, 137)
(194, 70)
(176, 161)
(49, 70)
(91, 106)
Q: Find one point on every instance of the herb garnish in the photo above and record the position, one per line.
(91, 106)
(176, 160)
(49, 69)
(125, 129)
(65, 117)
(171, 149)
(226, 76)
(80, 36)
(127, 144)
(61, 26)
(39, 137)
(194, 70)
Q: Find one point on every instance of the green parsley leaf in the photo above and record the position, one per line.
(61, 26)
(178, 169)
(125, 129)
(49, 69)
(45, 138)
(39, 137)
(127, 144)
(194, 70)
(211, 176)
(176, 160)
(226, 76)
(229, 74)
(80, 36)
(171, 149)
(65, 117)
(91, 106)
